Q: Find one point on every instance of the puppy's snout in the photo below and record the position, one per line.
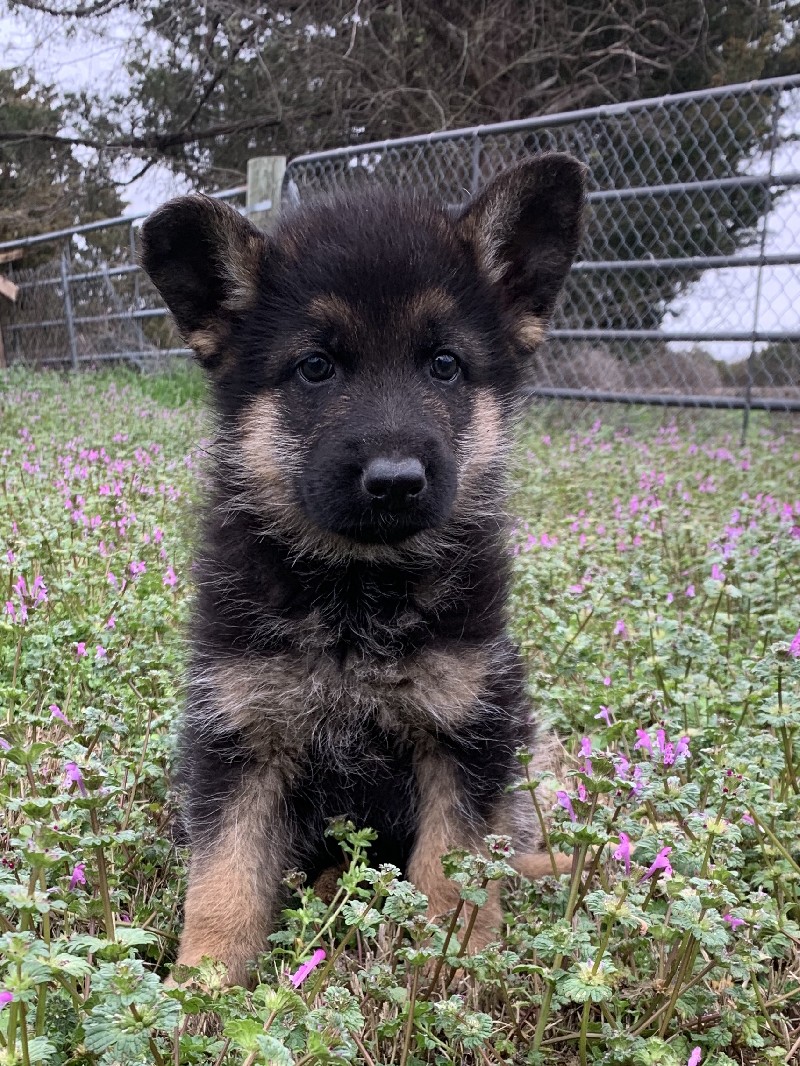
(394, 481)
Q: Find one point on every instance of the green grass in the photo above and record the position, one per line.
(656, 589)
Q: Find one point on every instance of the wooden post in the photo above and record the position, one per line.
(10, 291)
(264, 183)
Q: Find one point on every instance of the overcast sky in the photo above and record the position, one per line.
(722, 299)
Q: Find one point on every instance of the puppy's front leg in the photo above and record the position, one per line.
(444, 824)
(235, 876)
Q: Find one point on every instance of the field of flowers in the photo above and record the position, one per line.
(657, 600)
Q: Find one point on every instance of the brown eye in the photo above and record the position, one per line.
(445, 366)
(316, 367)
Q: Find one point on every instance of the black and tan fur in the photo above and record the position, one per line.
(349, 647)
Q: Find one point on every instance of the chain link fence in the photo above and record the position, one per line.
(84, 300)
(687, 288)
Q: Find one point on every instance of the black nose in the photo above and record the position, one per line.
(394, 481)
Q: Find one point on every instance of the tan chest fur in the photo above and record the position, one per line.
(282, 701)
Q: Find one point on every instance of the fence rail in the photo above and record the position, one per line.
(687, 286)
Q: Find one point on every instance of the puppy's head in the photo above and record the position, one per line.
(367, 356)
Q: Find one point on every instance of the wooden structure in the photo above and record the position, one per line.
(8, 290)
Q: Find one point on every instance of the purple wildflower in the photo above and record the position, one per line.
(56, 712)
(170, 578)
(101, 652)
(586, 752)
(670, 597)
(605, 714)
(607, 681)
(794, 647)
(78, 876)
(682, 747)
(620, 629)
(748, 819)
(6, 997)
(305, 969)
(732, 921)
(80, 649)
(623, 852)
(622, 765)
(694, 1058)
(4, 745)
(661, 863)
(75, 777)
(717, 572)
(689, 592)
(566, 803)
(643, 741)
(638, 781)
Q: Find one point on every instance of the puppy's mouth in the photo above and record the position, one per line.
(381, 526)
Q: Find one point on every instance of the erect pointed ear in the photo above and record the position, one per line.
(205, 260)
(525, 227)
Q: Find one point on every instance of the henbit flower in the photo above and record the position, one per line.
(643, 741)
(566, 803)
(78, 876)
(623, 852)
(80, 649)
(74, 776)
(622, 765)
(689, 592)
(607, 681)
(794, 647)
(638, 783)
(748, 819)
(694, 1058)
(717, 573)
(732, 921)
(586, 752)
(620, 629)
(582, 793)
(101, 652)
(111, 623)
(682, 747)
(670, 597)
(305, 969)
(170, 578)
(661, 863)
(605, 714)
(56, 712)
(6, 997)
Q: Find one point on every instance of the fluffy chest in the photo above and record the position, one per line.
(286, 700)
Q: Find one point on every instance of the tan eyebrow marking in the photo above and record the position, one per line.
(329, 308)
(430, 303)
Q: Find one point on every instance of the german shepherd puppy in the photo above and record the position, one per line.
(349, 648)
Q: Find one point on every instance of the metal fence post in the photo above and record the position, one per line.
(68, 315)
(762, 244)
(476, 163)
(264, 183)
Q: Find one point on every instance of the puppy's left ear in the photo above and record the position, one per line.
(525, 227)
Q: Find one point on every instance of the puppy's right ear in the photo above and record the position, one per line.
(206, 260)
